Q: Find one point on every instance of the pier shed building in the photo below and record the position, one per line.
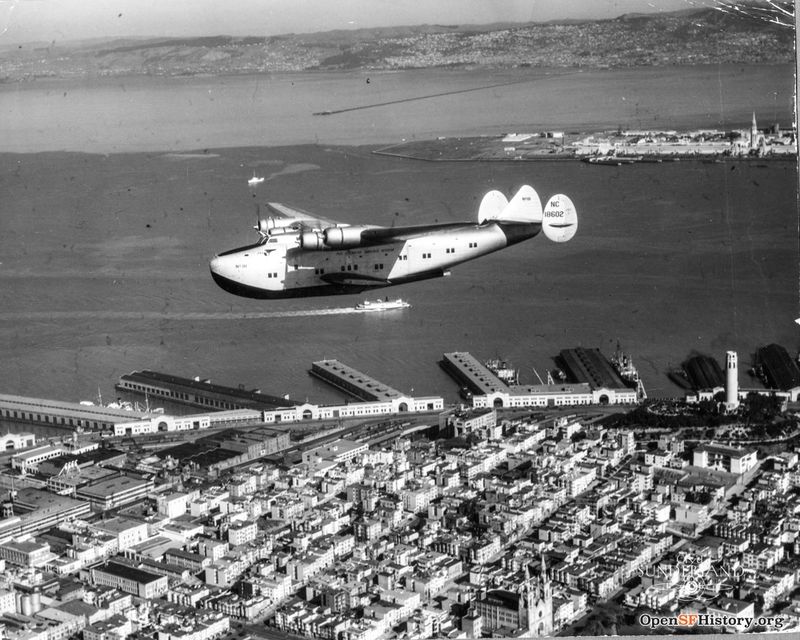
(468, 371)
(353, 382)
(779, 370)
(596, 383)
(68, 415)
(195, 392)
(591, 367)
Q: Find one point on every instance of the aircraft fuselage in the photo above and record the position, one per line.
(279, 267)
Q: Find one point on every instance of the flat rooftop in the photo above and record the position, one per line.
(204, 452)
(472, 373)
(118, 524)
(68, 409)
(353, 382)
(112, 486)
(704, 372)
(590, 366)
(95, 457)
(41, 503)
(781, 371)
(129, 573)
(242, 396)
(725, 450)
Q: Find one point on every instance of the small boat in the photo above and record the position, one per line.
(255, 180)
(382, 305)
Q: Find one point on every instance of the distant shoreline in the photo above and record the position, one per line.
(192, 114)
(633, 40)
(90, 79)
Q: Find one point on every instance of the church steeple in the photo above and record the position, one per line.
(537, 601)
(543, 572)
(754, 133)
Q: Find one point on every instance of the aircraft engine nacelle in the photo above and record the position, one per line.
(312, 241)
(343, 237)
(265, 225)
(268, 227)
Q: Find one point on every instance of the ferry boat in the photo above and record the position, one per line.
(255, 180)
(382, 305)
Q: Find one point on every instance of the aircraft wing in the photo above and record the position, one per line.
(383, 235)
(282, 215)
(290, 215)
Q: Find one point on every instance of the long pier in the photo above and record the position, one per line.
(353, 382)
(471, 373)
(70, 416)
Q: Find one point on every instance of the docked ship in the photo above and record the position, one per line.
(503, 370)
(382, 305)
(613, 160)
(623, 364)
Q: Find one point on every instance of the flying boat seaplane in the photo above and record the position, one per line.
(299, 254)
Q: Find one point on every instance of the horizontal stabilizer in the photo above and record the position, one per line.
(492, 205)
(560, 219)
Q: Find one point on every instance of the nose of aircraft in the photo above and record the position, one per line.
(221, 273)
(214, 264)
(220, 267)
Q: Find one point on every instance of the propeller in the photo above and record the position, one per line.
(257, 226)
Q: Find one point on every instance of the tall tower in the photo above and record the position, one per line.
(731, 380)
(754, 133)
(538, 600)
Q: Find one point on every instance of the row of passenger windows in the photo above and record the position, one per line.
(378, 266)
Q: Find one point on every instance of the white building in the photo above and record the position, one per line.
(174, 504)
(555, 395)
(126, 531)
(402, 404)
(339, 451)
(28, 461)
(724, 458)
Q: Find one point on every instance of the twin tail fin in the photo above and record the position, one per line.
(559, 219)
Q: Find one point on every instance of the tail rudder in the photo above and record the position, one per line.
(525, 207)
(560, 219)
(492, 205)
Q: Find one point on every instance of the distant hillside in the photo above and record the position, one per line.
(687, 37)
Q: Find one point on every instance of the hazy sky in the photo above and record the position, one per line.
(60, 20)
